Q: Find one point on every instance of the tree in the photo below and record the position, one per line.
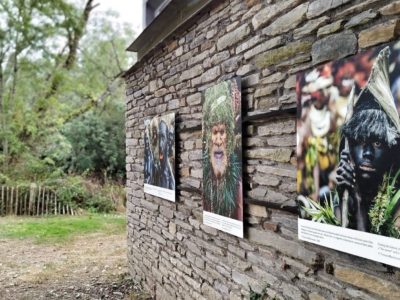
(27, 28)
(56, 64)
(97, 143)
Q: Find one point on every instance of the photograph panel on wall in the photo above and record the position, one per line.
(222, 157)
(159, 157)
(348, 154)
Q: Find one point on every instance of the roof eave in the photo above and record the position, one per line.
(175, 14)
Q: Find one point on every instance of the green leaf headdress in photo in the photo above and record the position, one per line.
(220, 196)
(217, 109)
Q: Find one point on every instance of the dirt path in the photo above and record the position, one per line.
(89, 267)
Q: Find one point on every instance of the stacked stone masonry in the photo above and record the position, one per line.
(265, 42)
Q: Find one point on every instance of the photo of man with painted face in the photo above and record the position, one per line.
(372, 133)
(364, 192)
(166, 176)
(159, 156)
(221, 137)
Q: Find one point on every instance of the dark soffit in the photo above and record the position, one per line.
(176, 13)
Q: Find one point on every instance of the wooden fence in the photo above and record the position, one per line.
(31, 200)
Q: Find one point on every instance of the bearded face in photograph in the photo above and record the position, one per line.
(218, 150)
(221, 164)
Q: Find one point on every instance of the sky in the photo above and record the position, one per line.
(130, 11)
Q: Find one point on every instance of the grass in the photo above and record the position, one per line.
(60, 229)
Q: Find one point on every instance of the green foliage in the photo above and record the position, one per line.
(47, 105)
(311, 159)
(100, 203)
(116, 193)
(98, 143)
(259, 296)
(4, 179)
(61, 228)
(57, 148)
(29, 28)
(222, 196)
(382, 213)
(319, 213)
(70, 190)
(78, 192)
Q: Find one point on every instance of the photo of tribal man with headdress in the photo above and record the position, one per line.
(222, 150)
(159, 156)
(361, 189)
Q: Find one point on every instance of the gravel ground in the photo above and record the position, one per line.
(90, 267)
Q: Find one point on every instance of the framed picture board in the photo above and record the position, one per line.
(222, 157)
(348, 153)
(159, 157)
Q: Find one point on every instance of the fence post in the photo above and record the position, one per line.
(2, 201)
(55, 204)
(42, 201)
(16, 201)
(32, 195)
(8, 201)
(25, 202)
(47, 202)
(38, 200)
(12, 201)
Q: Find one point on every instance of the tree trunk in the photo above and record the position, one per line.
(3, 124)
(74, 38)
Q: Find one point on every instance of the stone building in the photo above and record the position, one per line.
(190, 46)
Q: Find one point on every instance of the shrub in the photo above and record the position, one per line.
(99, 204)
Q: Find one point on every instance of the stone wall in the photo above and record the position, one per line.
(266, 43)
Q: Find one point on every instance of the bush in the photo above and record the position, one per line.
(4, 179)
(80, 192)
(99, 204)
(72, 191)
(97, 144)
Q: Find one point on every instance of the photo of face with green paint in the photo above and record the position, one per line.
(222, 150)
